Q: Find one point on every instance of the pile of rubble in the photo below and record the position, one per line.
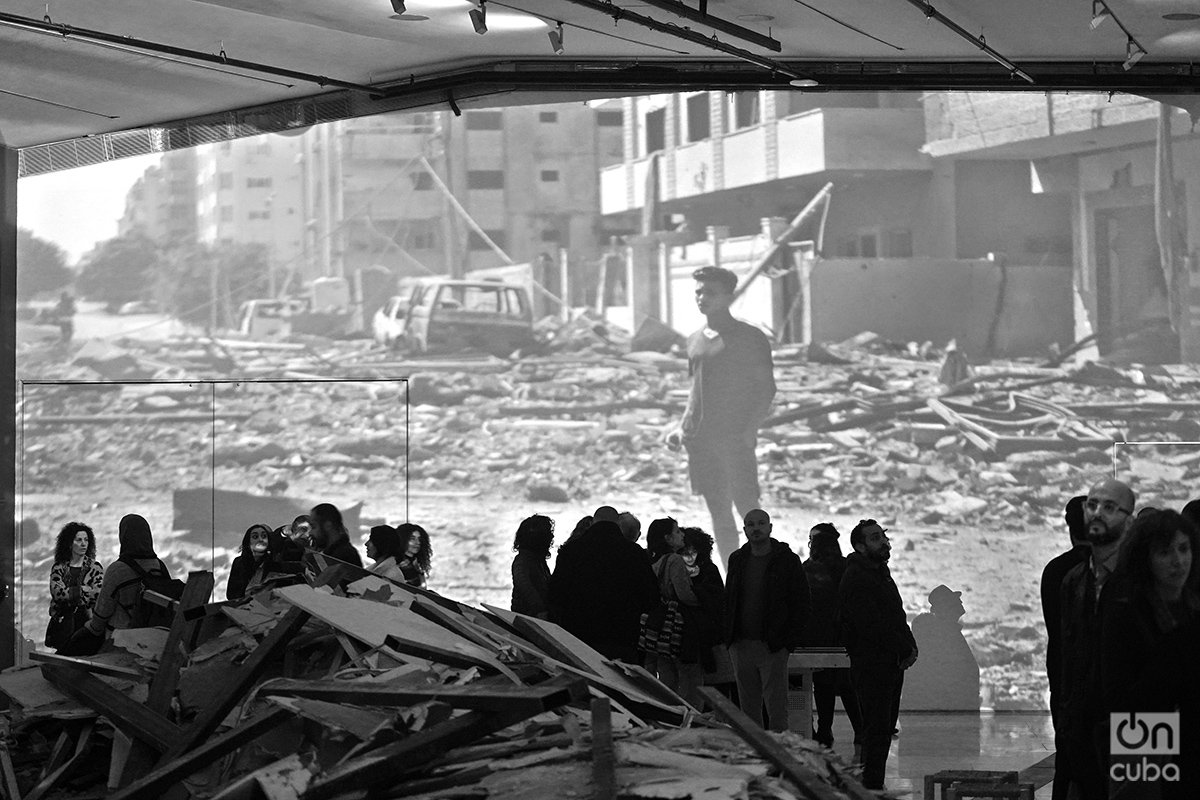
(346, 685)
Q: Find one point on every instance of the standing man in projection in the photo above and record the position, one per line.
(733, 385)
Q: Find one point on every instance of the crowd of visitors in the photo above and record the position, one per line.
(1122, 607)
(1122, 610)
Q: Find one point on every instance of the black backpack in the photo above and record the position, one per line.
(145, 612)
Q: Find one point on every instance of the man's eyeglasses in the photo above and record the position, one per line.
(1106, 507)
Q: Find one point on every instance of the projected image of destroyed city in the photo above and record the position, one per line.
(460, 321)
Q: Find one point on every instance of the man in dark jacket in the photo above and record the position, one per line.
(601, 585)
(824, 569)
(767, 610)
(1052, 577)
(877, 638)
(1082, 732)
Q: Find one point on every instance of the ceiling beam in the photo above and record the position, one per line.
(716, 23)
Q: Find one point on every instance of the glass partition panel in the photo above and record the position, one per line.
(202, 461)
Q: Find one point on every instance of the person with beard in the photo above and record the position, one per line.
(118, 605)
(733, 385)
(878, 640)
(1107, 514)
(824, 569)
(329, 535)
(767, 609)
(1052, 577)
(601, 585)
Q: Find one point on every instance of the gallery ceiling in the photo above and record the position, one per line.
(71, 69)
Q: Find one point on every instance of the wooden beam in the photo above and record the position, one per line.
(127, 715)
(227, 696)
(604, 764)
(808, 782)
(85, 665)
(162, 687)
(155, 784)
(12, 791)
(469, 696)
(378, 768)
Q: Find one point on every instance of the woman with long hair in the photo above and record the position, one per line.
(75, 581)
(329, 535)
(416, 557)
(384, 548)
(261, 554)
(683, 672)
(1154, 604)
(530, 572)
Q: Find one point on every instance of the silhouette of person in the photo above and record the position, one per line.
(947, 676)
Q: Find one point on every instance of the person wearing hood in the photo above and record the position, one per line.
(118, 605)
(601, 585)
(329, 534)
(878, 640)
(767, 608)
(261, 554)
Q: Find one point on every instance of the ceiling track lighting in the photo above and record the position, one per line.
(399, 7)
(556, 39)
(479, 17)
(1134, 53)
(1100, 13)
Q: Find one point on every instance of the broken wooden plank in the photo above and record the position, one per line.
(8, 775)
(51, 781)
(469, 696)
(807, 781)
(604, 766)
(179, 641)
(378, 767)
(379, 624)
(125, 714)
(229, 695)
(163, 777)
(89, 665)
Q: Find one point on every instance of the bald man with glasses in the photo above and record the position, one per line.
(1080, 769)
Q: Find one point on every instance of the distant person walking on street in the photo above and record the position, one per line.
(877, 638)
(733, 385)
(64, 316)
(767, 610)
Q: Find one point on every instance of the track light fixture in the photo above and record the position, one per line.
(556, 39)
(1100, 13)
(1134, 53)
(479, 17)
(398, 6)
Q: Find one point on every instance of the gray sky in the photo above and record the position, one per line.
(77, 208)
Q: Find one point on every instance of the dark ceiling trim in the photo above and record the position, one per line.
(487, 86)
(716, 23)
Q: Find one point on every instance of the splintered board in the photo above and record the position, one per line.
(380, 624)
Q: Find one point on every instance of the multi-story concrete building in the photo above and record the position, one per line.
(1087, 164)
(162, 203)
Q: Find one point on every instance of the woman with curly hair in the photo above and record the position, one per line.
(1148, 637)
(530, 572)
(261, 555)
(75, 581)
(417, 555)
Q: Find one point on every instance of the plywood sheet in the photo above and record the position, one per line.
(372, 623)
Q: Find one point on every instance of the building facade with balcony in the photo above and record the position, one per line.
(1089, 163)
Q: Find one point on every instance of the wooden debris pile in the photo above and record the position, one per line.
(350, 685)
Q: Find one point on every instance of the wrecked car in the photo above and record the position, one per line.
(450, 315)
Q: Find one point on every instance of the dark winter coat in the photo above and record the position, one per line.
(824, 577)
(787, 600)
(600, 587)
(874, 626)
